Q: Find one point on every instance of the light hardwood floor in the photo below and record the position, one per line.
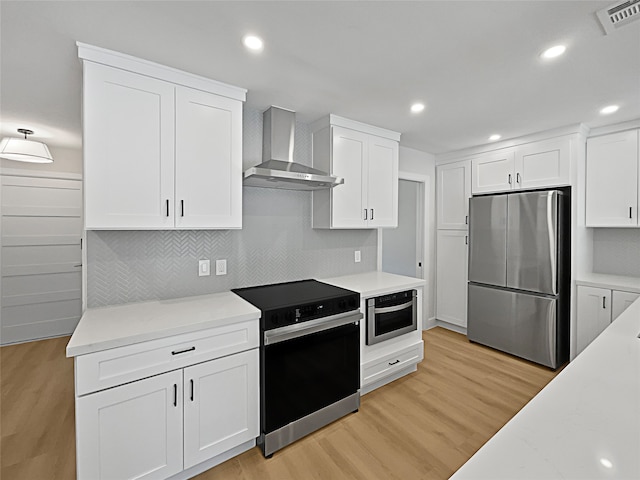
(423, 426)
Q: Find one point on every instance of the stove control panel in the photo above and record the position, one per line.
(282, 317)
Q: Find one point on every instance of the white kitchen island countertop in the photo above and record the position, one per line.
(585, 424)
(371, 284)
(119, 325)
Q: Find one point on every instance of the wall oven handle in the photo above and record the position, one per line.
(395, 308)
(312, 326)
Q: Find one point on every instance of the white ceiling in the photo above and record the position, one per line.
(475, 64)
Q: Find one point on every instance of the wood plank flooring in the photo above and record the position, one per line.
(423, 426)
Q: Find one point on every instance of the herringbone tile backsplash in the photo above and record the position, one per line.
(276, 244)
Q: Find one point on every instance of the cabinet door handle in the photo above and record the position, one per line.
(630, 210)
(509, 179)
(518, 177)
(604, 302)
(394, 363)
(466, 219)
(178, 352)
(466, 239)
(191, 389)
(182, 208)
(175, 394)
(365, 214)
(167, 203)
(372, 214)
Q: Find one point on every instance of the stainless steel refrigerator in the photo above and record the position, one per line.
(519, 263)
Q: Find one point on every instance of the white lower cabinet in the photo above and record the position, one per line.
(451, 276)
(221, 408)
(597, 308)
(200, 413)
(594, 314)
(131, 431)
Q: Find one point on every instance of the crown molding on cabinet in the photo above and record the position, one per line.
(463, 154)
(335, 120)
(145, 67)
(616, 127)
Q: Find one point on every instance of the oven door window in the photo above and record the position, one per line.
(305, 374)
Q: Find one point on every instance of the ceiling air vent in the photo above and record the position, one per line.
(618, 15)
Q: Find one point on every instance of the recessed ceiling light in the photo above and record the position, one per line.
(606, 463)
(417, 107)
(609, 109)
(253, 43)
(554, 51)
(495, 137)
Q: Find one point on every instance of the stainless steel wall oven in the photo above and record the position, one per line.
(391, 315)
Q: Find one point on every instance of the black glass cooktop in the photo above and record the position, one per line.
(292, 302)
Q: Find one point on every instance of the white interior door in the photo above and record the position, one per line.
(41, 228)
(402, 247)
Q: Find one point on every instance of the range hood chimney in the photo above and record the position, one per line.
(278, 170)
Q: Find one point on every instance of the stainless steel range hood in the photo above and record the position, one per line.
(278, 170)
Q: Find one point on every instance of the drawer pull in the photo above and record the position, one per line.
(393, 363)
(178, 352)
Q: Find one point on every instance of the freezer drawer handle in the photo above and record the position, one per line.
(394, 363)
(604, 302)
(178, 352)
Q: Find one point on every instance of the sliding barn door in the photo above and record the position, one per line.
(41, 226)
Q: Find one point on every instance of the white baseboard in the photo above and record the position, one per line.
(430, 323)
(451, 326)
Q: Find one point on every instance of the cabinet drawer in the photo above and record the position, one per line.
(389, 364)
(100, 370)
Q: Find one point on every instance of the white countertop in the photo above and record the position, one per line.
(586, 419)
(109, 327)
(614, 282)
(371, 284)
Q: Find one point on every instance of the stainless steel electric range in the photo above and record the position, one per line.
(309, 358)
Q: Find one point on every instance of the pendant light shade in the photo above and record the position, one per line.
(23, 150)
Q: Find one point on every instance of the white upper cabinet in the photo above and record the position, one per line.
(493, 172)
(612, 180)
(367, 158)
(128, 149)
(545, 163)
(162, 148)
(208, 160)
(454, 191)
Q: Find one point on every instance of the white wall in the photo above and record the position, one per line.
(422, 163)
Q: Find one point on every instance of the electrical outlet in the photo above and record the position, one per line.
(357, 256)
(221, 267)
(204, 268)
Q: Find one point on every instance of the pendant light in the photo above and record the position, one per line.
(23, 150)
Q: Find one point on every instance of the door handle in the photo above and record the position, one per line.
(167, 204)
(604, 302)
(466, 219)
(372, 214)
(394, 363)
(466, 239)
(191, 389)
(517, 177)
(175, 394)
(509, 179)
(365, 214)
(178, 352)
(630, 210)
(182, 208)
